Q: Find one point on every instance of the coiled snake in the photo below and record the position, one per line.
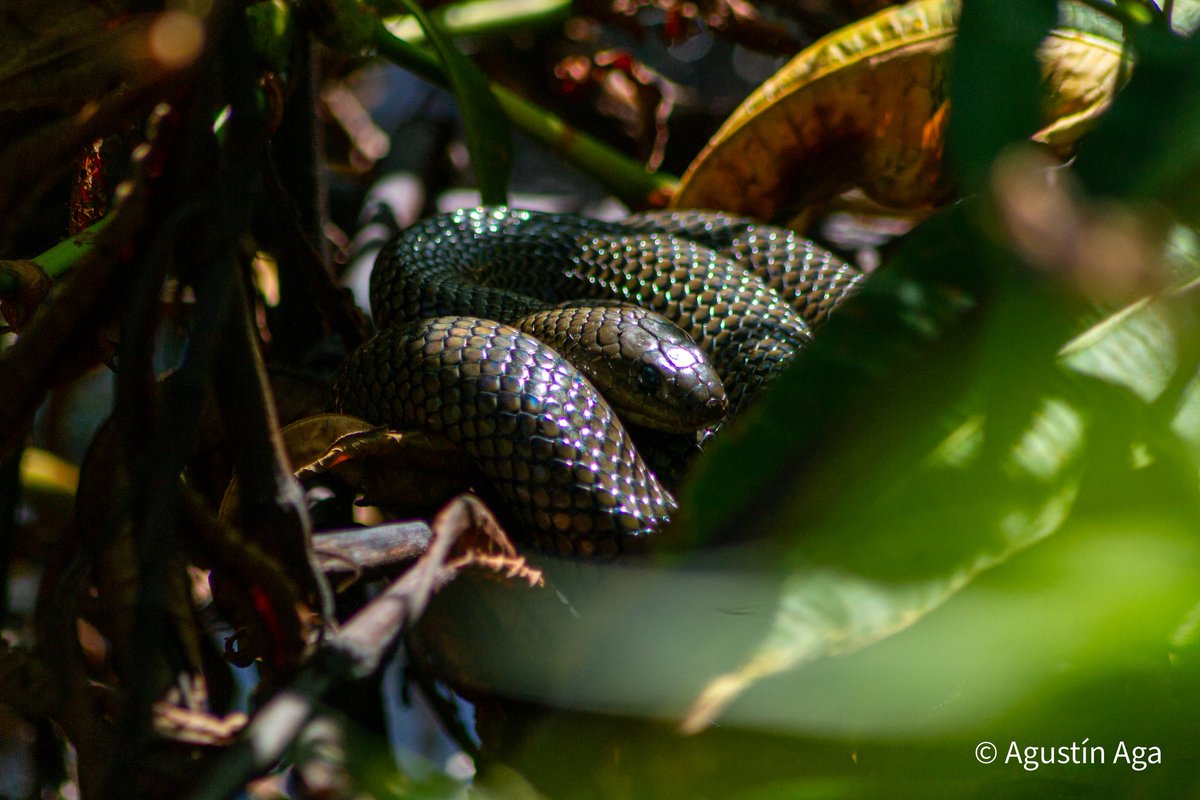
(464, 303)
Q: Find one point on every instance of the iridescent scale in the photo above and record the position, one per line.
(537, 427)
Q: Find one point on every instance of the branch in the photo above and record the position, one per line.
(355, 651)
(625, 178)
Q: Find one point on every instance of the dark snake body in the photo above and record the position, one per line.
(538, 429)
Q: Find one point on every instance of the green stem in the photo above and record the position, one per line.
(61, 257)
(66, 254)
(483, 18)
(624, 177)
(1127, 20)
(409, 56)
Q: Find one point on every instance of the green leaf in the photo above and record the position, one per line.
(1185, 15)
(1099, 599)
(272, 30)
(955, 516)
(484, 18)
(932, 432)
(899, 334)
(1147, 147)
(489, 139)
(994, 83)
(1142, 12)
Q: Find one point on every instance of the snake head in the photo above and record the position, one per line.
(648, 369)
(670, 383)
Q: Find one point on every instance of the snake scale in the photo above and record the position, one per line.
(465, 307)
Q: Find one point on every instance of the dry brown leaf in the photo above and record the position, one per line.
(483, 542)
(306, 440)
(195, 727)
(866, 107)
(412, 473)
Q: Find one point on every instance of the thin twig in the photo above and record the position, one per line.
(59, 649)
(375, 548)
(271, 509)
(10, 496)
(357, 650)
(298, 249)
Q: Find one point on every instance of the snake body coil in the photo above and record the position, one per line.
(535, 425)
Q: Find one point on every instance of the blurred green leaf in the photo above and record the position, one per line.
(918, 443)
(901, 367)
(862, 585)
(994, 81)
(484, 18)
(1135, 348)
(272, 30)
(1185, 15)
(1144, 12)
(489, 139)
(1146, 147)
(884, 329)
(1083, 17)
(1100, 597)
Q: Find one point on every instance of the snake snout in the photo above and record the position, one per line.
(675, 390)
(715, 405)
(647, 368)
(672, 384)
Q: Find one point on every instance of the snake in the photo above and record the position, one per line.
(477, 309)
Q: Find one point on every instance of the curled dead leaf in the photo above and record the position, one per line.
(412, 473)
(482, 542)
(866, 107)
(306, 440)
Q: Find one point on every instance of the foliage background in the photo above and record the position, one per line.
(968, 514)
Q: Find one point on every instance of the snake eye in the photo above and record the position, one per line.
(649, 378)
